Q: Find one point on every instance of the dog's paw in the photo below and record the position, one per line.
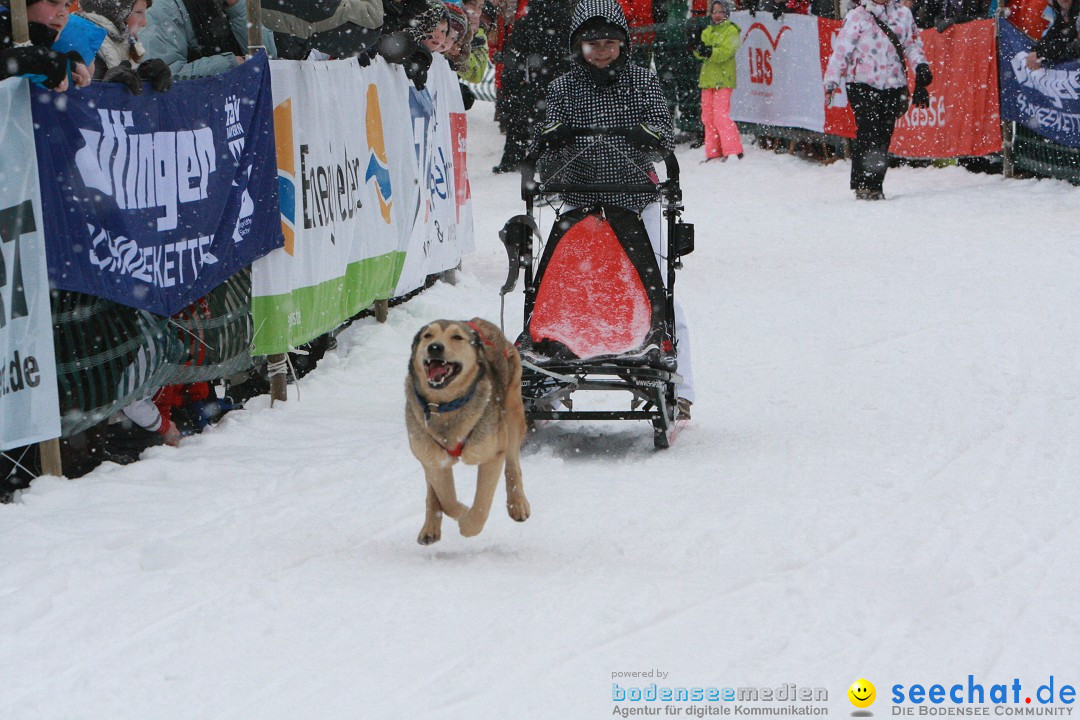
(470, 525)
(429, 535)
(519, 510)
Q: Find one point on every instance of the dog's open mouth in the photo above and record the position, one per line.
(440, 372)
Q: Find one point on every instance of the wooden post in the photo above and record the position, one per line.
(254, 27)
(277, 369)
(50, 457)
(1008, 168)
(382, 309)
(20, 29)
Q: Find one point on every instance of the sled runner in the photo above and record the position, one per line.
(597, 314)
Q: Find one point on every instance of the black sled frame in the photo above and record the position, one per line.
(651, 378)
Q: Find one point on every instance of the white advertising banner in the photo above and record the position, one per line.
(443, 230)
(29, 402)
(779, 72)
(369, 203)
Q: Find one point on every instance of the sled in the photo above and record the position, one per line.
(597, 317)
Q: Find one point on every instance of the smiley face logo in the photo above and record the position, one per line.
(862, 693)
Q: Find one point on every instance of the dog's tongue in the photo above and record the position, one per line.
(436, 371)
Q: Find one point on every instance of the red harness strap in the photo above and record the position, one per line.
(456, 452)
(483, 339)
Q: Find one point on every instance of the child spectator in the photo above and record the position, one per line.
(46, 19)
(719, 43)
(122, 57)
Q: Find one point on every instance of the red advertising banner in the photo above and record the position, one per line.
(459, 140)
(964, 114)
(839, 119)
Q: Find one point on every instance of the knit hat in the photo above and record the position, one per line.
(424, 22)
(116, 11)
(598, 28)
(459, 21)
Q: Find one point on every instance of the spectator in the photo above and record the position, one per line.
(406, 26)
(475, 52)
(719, 43)
(197, 38)
(960, 11)
(46, 19)
(875, 44)
(603, 89)
(1060, 42)
(337, 28)
(678, 34)
(535, 55)
(122, 57)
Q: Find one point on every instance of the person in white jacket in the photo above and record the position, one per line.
(875, 47)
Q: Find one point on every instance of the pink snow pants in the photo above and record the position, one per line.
(721, 134)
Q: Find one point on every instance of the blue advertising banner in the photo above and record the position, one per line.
(153, 200)
(1046, 100)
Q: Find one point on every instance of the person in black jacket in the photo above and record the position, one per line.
(1060, 43)
(534, 56)
(604, 90)
(46, 19)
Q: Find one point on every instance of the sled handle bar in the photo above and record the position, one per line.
(531, 188)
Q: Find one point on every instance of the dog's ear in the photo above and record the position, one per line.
(416, 342)
(476, 341)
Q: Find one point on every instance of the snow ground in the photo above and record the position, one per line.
(879, 481)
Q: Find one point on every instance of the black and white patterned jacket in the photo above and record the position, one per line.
(577, 100)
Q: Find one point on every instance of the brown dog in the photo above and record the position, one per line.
(463, 401)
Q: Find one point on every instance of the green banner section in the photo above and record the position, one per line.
(292, 319)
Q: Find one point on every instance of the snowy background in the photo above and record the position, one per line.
(880, 481)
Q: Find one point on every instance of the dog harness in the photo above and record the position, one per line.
(455, 404)
(484, 340)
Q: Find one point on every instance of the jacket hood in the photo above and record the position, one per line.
(608, 10)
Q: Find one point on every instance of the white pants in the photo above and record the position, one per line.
(654, 226)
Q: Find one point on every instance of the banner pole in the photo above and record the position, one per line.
(1008, 169)
(51, 464)
(49, 450)
(254, 27)
(20, 28)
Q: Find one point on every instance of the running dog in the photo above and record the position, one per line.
(463, 401)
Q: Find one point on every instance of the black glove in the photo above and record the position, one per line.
(124, 75)
(157, 72)
(703, 49)
(644, 138)
(942, 24)
(921, 97)
(416, 67)
(923, 76)
(777, 13)
(468, 97)
(34, 60)
(556, 135)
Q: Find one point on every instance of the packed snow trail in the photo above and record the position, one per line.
(879, 481)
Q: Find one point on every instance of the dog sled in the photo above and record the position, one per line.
(597, 315)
